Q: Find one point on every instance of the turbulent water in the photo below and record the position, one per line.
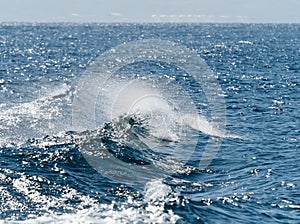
(55, 171)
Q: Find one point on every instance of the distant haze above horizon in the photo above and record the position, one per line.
(230, 11)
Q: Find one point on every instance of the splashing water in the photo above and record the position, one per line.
(45, 178)
(47, 115)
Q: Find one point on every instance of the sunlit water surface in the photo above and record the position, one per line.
(254, 178)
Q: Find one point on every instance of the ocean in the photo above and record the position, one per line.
(149, 123)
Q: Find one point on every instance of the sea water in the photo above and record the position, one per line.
(52, 172)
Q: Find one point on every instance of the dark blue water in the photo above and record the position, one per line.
(44, 177)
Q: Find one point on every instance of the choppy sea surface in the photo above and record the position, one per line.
(254, 177)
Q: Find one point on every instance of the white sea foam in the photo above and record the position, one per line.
(200, 123)
(150, 208)
(245, 42)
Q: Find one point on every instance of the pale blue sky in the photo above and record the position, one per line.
(266, 11)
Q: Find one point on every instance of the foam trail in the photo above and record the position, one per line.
(153, 210)
(199, 123)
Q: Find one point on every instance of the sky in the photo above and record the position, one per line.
(249, 11)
